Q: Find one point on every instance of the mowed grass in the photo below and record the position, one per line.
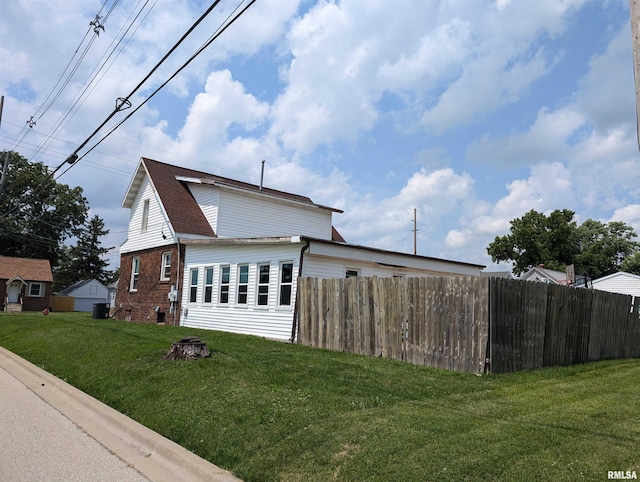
(273, 411)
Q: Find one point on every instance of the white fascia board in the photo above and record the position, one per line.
(237, 241)
(259, 194)
(134, 185)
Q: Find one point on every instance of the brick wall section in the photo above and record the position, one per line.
(140, 305)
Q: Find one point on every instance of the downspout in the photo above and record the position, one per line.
(177, 306)
(294, 325)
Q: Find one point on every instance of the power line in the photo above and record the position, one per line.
(74, 157)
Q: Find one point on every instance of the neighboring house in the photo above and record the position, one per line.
(25, 284)
(544, 275)
(622, 282)
(85, 294)
(210, 252)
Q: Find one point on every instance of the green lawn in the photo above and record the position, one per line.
(274, 411)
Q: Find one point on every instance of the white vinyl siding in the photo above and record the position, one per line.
(241, 215)
(271, 320)
(157, 224)
(208, 198)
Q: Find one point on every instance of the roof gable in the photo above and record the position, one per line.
(25, 268)
(170, 182)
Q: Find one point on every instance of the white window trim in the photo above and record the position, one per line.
(258, 285)
(135, 275)
(239, 284)
(192, 285)
(145, 216)
(281, 283)
(209, 285)
(164, 266)
(227, 284)
(40, 290)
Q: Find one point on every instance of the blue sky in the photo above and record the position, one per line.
(471, 112)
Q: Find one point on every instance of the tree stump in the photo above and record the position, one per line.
(188, 348)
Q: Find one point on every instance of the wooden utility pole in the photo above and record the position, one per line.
(5, 165)
(635, 37)
(415, 233)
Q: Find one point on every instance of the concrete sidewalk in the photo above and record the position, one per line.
(53, 431)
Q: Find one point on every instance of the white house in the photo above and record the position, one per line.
(621, 282)
(545, 275)
(85, 294)
(210, 252)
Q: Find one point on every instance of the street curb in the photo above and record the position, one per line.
(153, 455)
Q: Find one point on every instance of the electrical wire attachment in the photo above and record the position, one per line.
(122, 104)
(97, 25)
(72, 158)
(31, 122)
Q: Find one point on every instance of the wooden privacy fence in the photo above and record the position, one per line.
(62, 303)
(535, 325)
(441, 322)
(467, 323)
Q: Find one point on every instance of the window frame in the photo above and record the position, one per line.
(242, 287)
(224, 287)
(40, 286)
(351, 272)
(282, 284)
(144, 225)
(208, 285)
(261, 284)
(135, 273)
(193, 287)
(166, 255)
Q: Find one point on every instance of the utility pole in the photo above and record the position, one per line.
(415, 233)
(635, 38)
(5, 166)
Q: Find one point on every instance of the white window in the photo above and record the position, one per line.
(165, 272)
(243, 283)
(263, 284)
(208, 284)
(135, 273)
(145, 216)
(193, 285)
(286, 283)
(225, 278)
(35, 290)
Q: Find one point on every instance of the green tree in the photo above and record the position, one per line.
(604, 247)
(37, 214)
(85, 260)
(595, 248)
(631, 264)
(537, 239)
